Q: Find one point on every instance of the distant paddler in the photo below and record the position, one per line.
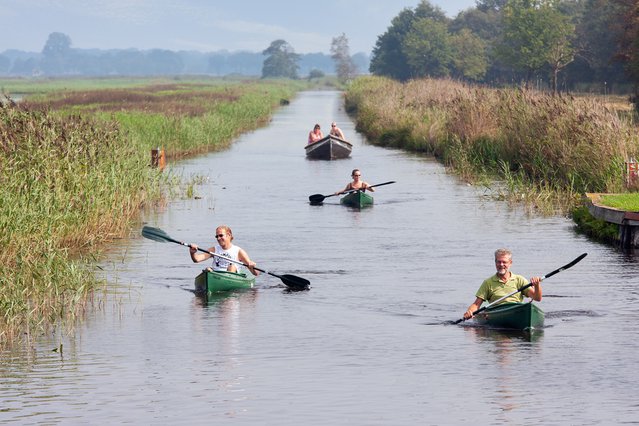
(357, 184)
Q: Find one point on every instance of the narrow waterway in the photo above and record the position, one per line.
(371, 343)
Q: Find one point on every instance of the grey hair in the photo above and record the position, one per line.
(503, 252)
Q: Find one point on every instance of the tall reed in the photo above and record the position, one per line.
(74, 174)
(550, 147)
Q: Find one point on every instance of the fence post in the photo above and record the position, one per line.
(157, 158)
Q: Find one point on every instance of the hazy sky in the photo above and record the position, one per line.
(203, 25)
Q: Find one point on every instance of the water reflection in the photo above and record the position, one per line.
(503, 337)
(507, 353)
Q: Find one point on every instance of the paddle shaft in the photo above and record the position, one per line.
(550, 274)
(291, 281)
(318, 198)
(229, 259)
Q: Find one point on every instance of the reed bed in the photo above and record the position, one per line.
(74, 174)
(543, 149)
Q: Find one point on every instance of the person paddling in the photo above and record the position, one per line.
(224, 247)
(356, 184)
(503, 283)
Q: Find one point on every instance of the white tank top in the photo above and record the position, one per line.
(220, 264)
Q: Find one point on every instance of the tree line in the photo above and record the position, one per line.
(556, 44)
(59, 58)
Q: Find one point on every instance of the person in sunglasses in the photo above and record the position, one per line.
(356, 184)
(336, 131)
(224, 247)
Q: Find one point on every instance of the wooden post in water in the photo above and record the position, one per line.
(157, 158)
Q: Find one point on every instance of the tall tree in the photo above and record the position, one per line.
(281, 60)
(389, 55)
(470, 60)
(56, 53)
(388, 58)
(536, 35)
(427, 49)
(597, 32)
(628, 52)
(344, 65)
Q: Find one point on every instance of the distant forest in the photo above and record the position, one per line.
(58, 58)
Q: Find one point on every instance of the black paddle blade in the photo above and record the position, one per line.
(295, 283)
(569, 265)
(316, 198)
(155, 234)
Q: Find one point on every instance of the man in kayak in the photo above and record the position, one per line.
(503, 283)
(336, 131)
(356, 183)
(224, 247)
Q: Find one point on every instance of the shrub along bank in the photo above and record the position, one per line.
(545, 150)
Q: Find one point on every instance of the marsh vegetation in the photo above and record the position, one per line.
(523, 145)
(74, 174)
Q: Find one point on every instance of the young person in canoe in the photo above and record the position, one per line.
(503, 283)
(356, 183)
(224, 247)
(336, 131)
(315, 134)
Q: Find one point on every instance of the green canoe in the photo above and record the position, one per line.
(214, 281)
(357, 199)
(516, 316)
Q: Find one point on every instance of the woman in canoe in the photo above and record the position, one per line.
(503, 283)
(224, 247)
(315, 134)
(356, 184)
(336, 131)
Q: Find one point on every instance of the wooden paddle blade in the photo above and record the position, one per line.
(294, 282)
(316, 198)
(155, 234)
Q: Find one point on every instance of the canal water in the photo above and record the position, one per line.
(372, 342)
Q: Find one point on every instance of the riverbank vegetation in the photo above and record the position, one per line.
(525, 145)
(74, 174)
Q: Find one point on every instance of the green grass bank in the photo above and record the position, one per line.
(74, 174)
(526, 146)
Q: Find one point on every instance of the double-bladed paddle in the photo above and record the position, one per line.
(291, 281)
(319, 198)
(556, 271)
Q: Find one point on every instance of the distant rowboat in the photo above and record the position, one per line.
(328, 148)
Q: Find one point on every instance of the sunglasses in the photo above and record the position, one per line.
(219, 235)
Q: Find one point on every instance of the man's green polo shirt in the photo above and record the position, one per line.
(492, 288)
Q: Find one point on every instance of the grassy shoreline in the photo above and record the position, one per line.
(74, 174)
(525, 146)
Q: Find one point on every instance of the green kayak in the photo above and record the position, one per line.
(357, 199)
(517, 316)
(214, 281)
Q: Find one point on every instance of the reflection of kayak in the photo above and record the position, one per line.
(329, 148)
(213, 281)
(357, 199)
(518, 316)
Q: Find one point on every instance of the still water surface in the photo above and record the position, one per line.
(371, 343)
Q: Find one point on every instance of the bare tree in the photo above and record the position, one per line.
(344, 65)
